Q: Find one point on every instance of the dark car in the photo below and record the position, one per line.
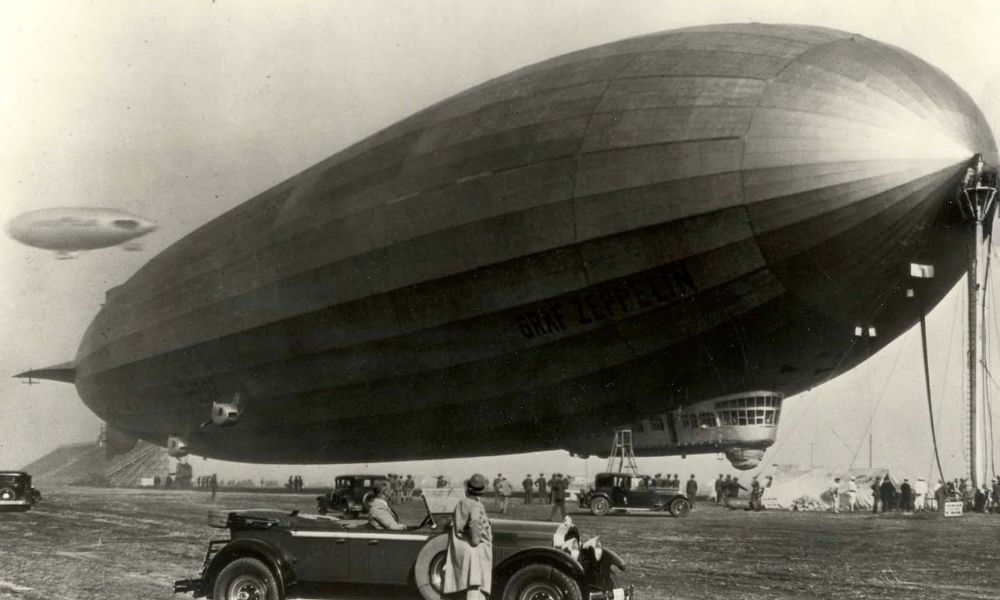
(625, 492)
(270, 552)
(351, 495)
(16, 493)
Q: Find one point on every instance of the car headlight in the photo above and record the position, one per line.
(572, 546)
(595, 545)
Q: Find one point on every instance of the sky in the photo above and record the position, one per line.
(179, 111)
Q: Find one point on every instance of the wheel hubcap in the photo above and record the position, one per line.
(247, 587)
(541, 591)
(437, 572)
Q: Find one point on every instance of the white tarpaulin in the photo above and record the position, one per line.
(809, 488)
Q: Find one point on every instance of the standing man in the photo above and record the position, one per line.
(215, 486)
(877, 494)
(408, 487)
(920, 494)
(527, 485)
(835, 493)
(558, 488)
(756, 493)
(468, 567)
(852, 494)
(543, 495)
(719, 487)
(504, 492)
(496, 490)
(887, 492)
(692, 489)
(905, 496)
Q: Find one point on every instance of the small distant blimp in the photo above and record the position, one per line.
(74, 229)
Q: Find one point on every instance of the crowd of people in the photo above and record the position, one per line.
(294, 483)
(918, 496)
(400, 488)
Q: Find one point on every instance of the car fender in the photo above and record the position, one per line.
(613, 557)
(271, 556)
(595, 495)
(541, 555)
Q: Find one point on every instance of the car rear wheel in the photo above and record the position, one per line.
(7, 494)
(246, 579)
(541, 582)
(600, 506)
(680, 507)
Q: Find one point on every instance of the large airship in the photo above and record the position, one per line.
(674, 231)
(69, 230)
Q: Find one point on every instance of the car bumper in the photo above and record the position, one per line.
(626, 593)
(185, 586)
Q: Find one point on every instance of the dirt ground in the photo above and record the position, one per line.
(84, 543)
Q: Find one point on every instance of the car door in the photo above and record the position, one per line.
(323, 555)
(390, 555)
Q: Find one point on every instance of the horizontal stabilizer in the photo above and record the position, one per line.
(62, 372)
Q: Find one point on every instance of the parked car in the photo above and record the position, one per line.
(625, 492)
(271, 552)
(351, 495)
(16, 493)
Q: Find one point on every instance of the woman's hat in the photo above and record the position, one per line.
(476, 485)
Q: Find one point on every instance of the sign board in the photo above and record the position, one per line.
(953, 509)
(146, 482)
(770, 502)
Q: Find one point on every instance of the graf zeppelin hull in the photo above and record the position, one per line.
(589, 240)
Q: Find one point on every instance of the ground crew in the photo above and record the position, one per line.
(876, 494)
(835, 493)
(527, 485)
(905, 496)
(920, 494)
(543, 496)
(719, 487)
(558, 487)
(504, 490)
(852, 494)
(692, 489)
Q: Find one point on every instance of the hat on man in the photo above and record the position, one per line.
(476, 485)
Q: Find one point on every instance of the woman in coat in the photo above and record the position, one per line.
(468, 572)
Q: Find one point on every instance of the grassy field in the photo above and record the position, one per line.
(84, 543)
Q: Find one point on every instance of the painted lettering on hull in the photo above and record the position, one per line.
(608, 301)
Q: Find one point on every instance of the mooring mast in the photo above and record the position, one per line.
(976, 200)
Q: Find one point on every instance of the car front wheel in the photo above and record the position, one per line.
(600, 506)
(679, 507)
(246, 579)
(541, 582)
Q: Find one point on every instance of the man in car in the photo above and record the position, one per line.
(468, 568)
(380, 514)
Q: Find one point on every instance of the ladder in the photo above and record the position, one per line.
(622, 454)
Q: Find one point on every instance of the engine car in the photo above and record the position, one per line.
(16, 492)
(270, 553)
(351, 495)
(623, 492)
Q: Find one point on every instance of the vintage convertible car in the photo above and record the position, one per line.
(16, 493)
(624, 492)
(271, 552)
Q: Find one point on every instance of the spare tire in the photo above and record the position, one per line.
(8, 494)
